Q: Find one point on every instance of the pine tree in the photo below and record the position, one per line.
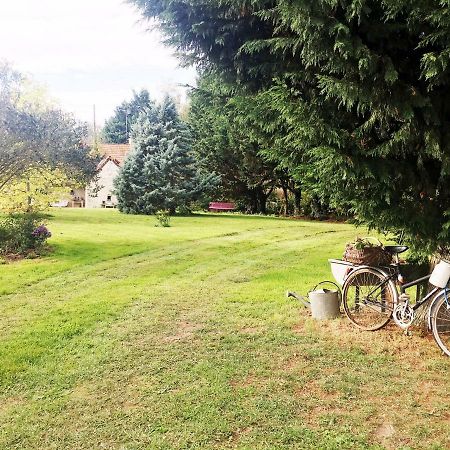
(118, 127)
(160, 172)
(228, 148)
(356, 92)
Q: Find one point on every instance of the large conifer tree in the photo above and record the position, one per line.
(359, 91)
(228, 148)
(160, 172)
(117, 128)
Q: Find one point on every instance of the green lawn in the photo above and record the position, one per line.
(129, 336)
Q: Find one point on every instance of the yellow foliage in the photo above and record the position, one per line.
(34, 191)
(34, 96)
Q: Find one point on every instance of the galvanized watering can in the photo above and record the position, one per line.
(323, 303)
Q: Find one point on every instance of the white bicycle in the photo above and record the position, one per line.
(371, 296)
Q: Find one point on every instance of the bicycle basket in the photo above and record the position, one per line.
(363, 252)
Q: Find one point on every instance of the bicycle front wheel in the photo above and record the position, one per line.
(440, 323)
(369, 298)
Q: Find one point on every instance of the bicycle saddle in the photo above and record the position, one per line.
(396, 249)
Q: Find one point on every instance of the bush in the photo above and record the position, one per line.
(163, 219)
(22, 233)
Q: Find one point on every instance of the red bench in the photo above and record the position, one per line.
(221, 206)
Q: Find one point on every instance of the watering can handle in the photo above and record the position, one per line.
(325, 282)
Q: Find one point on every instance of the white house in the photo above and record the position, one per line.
(100, 194)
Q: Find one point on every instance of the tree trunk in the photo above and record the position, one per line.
(262, 200)
(253, 201)
(297, 201)
(286, 200)
(29, 199)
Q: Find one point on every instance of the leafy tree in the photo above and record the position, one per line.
(117, 128)
(359, 88)
(160, 173)
(34, 191)
(37, 141)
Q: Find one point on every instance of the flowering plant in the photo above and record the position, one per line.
(41, 233)
(22, 234)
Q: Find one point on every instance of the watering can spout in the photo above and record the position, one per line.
(300, 298)
(294, 295)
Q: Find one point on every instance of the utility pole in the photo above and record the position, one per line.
(95, 132)
(127, 124)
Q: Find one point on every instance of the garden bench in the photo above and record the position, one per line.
(221, 206)
(108, 204)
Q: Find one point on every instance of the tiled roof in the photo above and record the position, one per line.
(116, 152)
(103, 162)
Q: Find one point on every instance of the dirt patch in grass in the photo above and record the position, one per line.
(82, 392)
(239, 279)
(250, 380)
(430, 398)
(414, 349)
(384, 433)
(385, 430)
(292, 363)
(6, 405)
(250, 330)
(238, 434)
(185, 330)
(28, 254)
(314, 390)
(130, 406)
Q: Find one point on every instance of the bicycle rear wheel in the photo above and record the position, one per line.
(369, 299)
(440, 323)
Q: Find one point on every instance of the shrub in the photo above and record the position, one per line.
(163, 218)
(22, 233)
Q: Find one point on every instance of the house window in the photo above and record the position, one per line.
(108, 199)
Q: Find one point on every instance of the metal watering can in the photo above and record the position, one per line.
(323, 303)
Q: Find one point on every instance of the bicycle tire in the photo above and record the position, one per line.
(367, 306)
(440, 323)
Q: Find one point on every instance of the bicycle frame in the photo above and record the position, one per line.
(421, 301)
(403, 287)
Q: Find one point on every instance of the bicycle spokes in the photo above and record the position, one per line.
(369, 299)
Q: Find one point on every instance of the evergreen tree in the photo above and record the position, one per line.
(356, 91)
(118, 127)
(226, 147)
(160, 172)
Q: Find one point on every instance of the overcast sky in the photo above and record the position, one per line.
(88, 52)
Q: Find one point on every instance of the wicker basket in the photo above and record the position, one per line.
(374, 255)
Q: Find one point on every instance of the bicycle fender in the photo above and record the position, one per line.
(443, 292)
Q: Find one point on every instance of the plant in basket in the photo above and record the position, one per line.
(368, 251)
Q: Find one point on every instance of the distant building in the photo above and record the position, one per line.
(100, 194)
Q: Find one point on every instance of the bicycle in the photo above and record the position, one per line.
(370, 299)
